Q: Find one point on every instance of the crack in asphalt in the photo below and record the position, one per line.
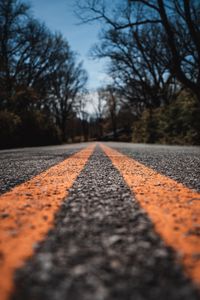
(103, 247)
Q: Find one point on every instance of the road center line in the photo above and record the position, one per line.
(27, 213)
(173, 208)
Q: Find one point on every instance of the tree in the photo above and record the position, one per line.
(13, 16)
(40, 77)
(179, 20)
(99, 106)
(66, 84)
(111, 98)
(139, 65)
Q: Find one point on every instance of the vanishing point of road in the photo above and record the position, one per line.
(100, 221)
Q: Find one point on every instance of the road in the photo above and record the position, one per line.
(100, 221)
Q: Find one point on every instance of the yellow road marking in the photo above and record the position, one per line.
(173, 208)
(27, 213)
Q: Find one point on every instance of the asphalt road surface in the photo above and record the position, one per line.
(104, 242)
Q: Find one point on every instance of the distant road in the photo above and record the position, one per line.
(100, 221)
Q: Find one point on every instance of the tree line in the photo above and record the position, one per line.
(153, 49)
(153, 53)
(41, 80)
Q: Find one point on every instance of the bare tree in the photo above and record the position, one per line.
(112, 104)
(39, 73)
(99, 105)
(13, 16)
(139, 65)
(82, 114)
(66, 84)
(179, 20)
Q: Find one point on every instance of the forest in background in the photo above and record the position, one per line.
(42, 84)
(153, 61)
(153, 53)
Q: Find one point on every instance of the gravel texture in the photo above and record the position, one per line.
(103, 247)
(17, 166)
(177, 162)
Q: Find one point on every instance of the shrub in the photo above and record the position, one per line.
(38, 129)
(10, 124)
(176, 123)
(30, 129)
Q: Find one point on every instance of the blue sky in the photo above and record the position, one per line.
(59, 16)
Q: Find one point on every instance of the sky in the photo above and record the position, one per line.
(59, 16)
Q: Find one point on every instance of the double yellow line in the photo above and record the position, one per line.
(27, 211)
(173, 209)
